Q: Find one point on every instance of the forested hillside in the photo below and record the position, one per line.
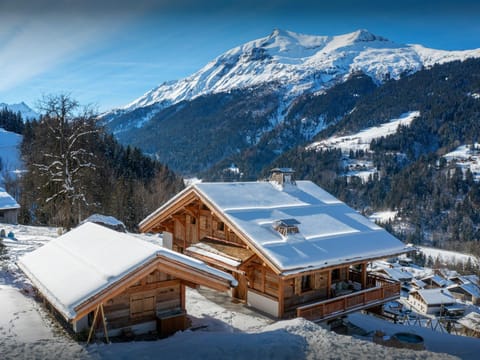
(437, 202)
(75, 168)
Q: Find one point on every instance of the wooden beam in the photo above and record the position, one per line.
(329, 283)
(162, 263)
(364, 275)
(94, 324)
(296, 272)
(281, 297)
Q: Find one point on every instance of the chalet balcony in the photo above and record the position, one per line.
(378, 291)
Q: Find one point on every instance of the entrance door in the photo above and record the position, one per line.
(142, 305)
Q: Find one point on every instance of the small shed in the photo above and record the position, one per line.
(8, 208)
(133, 284)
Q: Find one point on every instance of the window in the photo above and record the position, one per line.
(221, 226)
(193, 220)
(335, 274)
(286, 226)
(306, 283)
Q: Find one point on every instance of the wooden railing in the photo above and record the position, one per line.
(381, 290)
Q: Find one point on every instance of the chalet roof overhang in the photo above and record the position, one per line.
(188, 275)
(346, 263)
(189, 195)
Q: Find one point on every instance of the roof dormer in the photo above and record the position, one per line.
(286, 226)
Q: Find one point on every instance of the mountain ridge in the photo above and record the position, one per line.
(298, 63)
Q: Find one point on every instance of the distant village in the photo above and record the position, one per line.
(441, 299)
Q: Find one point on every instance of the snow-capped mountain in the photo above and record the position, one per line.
(24, 109)
(299, 63)
(273, 93)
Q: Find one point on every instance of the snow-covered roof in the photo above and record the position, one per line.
(469, 288)
(104, 219)
(72, 268)
(7, 202)
(440, 281)
(436, 296)
(398, 274)
(330, 232)
(471, 321)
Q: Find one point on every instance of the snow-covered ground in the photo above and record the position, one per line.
(383, 216)
(9, 151)
(466, 157)
(362, 139)
(448, 257)
(223, 329)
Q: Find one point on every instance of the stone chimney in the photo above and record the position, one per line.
(282, 176)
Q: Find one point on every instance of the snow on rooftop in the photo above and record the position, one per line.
(92, 257)
(330, 232)
(104, 219)
(7, 201)
(436, 296)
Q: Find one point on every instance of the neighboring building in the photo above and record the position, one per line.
(294, 249)
(107, 221)
(471, 324)
(138, 286)
(436, 281)
(431, 301)
(466, 292)
(8, 208)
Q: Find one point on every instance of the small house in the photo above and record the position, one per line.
(8, 208)
(431, 301)
(436, 281)
(294, 249)
(466, 292)
(94, 272)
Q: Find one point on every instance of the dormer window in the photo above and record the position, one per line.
(287, 226)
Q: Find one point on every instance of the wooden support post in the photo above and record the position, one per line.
(281, 296)
(364, 275)
(94, 323)
(104, 320)
(329, 284)
(98, 310)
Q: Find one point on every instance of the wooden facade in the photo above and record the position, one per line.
(200, 230)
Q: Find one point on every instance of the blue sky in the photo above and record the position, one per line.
(108, 53)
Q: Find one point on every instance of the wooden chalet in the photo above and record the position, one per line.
(294, 249)
(94, 277)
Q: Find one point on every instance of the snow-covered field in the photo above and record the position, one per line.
(362, 139)
(449, 257)
(466, 157)
(223, 329)
(9, 152)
